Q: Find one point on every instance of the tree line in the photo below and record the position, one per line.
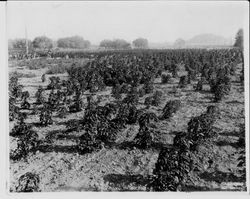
(78, 42)
(75, 42)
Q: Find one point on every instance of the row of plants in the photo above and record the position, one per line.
(131, 76)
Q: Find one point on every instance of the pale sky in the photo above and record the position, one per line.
(158, 21)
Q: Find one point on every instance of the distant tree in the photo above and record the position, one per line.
(179, 43)
(239, 39)
(106, 43)
(115, 44)
(121, 44)
(19, 44)
(140, 43)
(73, 42)
(42, 42)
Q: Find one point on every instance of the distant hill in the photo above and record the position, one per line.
(198, 41)
(208, 40)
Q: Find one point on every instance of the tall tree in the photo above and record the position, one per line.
(140, 43)
(42, 42)
(115, 44)
(19, 44)
(239, 39)
(73, 42)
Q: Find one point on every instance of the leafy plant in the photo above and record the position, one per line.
(149, 87)
(170, 108)
(220, 91)
(199, 86)
(144, 137)
(39, 95)
(157, 98)
(132, 97)
(25, 104)
(201, 127)
(182, 141)
(28, 182)
(148, 101)
(165, 78)
(15, 89)
(87, 143)
(43, 78)
(242, 163)
(46, 115)
(147, 119)
(27, 138)
(54, 83)
(25, 95)
(62, 111)
(183, 81)
(171, 170)
(78, 104)
(116, 91)
(13, 109)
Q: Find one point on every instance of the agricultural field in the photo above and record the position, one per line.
(134, 120)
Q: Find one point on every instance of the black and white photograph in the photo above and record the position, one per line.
(127, 96)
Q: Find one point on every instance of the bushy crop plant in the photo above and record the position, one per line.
(135, 76)
(153, 100)
(199, 86)
(125, 88)
(28, 182)
(15, 89)
(25, 95)
(127, 114)
(157, 96)
(147, 119)
(25, 104)
(87, 143)
(144, 137)
(148, 101)
(21, 127)
(27, 139)
(182, 141)
(200, 128)
(149, 86)
(25, 143)
(222, 88)
(95, 81)
(183, 81)
(100, 128)
(170, 108)
(46, 115)
(13, 109)
(165, 78)
(43, 78)
(141, 92)
(116, 91)
(132, 97)
(78, 104)
(241, 165)
(174, 70)
(54, 83)
(40, 95)
(62, 111)
(52, 100)
(220, 82)
(171, 170)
